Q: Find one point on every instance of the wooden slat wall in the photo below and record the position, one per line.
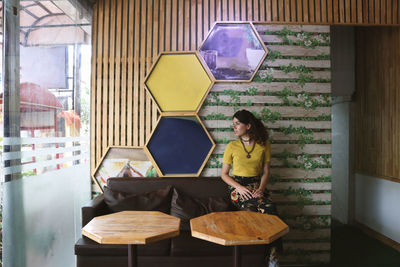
(128, 35)
(377, 135)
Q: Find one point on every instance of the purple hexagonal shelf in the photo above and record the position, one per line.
(233, 51)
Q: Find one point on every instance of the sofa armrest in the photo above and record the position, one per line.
(96, 207)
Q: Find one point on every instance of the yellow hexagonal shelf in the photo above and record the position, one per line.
(123, 162)
(178, 82)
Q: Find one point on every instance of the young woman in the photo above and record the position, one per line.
(249, 157)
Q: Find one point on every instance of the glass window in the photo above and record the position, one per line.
(44, 131)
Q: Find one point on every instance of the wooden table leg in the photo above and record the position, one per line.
(237, 257)
(132, 255)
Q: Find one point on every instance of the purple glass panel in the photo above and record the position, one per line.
(232, 51)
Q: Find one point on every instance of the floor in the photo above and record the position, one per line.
(351, 247)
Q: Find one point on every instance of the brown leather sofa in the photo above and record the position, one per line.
(183, 197)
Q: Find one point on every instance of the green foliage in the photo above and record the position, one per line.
(216, 116)
(303, 140)
(223, 130)
(308, 40)
(28, 173)
(297, 192)
(285, 92)
(234, 97)
(324, 117)
(268, 92)
(273, 178)
(304, 99)
(321, 80)
(221, 141)
(251, 91)
(284, 95)
(304, 161)
(284, 33)
(267, 115)
(303, 79)
(297, 69)
(284, 155)
(323, 57)
(307, 163)
(214, 162)
(310, 222)
(273, 55)
(263, 77)
(214, 101)
(305, 39)
(293, 130)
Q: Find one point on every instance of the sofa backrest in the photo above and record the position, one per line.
(195, 186)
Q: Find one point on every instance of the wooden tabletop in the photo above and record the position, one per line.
(238, 228)
(132, 227)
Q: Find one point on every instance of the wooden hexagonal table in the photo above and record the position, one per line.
(132, 228)
(238, 228)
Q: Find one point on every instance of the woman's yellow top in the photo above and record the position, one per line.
(235, 156)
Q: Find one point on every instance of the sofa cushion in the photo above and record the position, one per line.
(187, 207)
(87, 247)
(202, 187)
(158, 200)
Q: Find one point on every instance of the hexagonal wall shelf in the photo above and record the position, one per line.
(123, 162)
(179, 146)
(233, 51)
(178, 82)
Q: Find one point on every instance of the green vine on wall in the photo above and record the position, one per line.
(304, 161)
(252, 91)
(216, 116)
(303, 38)
(304, 99)
(294, 130)
(267, 115)
(263, 77)
(298, 69)
(273, 55)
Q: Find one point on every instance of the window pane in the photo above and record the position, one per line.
(46, 161)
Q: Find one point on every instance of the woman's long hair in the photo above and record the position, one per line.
(257, 132)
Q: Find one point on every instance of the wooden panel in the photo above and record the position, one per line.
(129, 35)
(98, 90)
(377, 104)
(93, 90)
(105, 58)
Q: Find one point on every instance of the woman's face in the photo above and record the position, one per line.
(240, 129)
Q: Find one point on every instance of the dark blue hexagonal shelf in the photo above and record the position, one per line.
(179, 146)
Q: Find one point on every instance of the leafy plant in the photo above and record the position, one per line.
(293, 130)
(252, 91)
(268, 116)
(273, 55)
(298, 69)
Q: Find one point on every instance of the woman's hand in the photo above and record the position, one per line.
(258, 192)
(244, 192)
